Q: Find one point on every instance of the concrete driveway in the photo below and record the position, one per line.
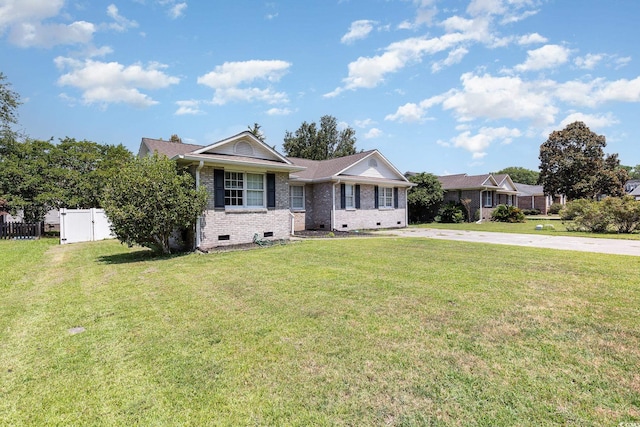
(584, 244)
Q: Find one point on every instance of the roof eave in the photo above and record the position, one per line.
(268, 166)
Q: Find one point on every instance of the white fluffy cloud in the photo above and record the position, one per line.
(593, 121)
(30, 23)
(358, 30)
(120, 22)
(368, 72)
(479, 142)
(26, 34)
(501, 98)
(19, 11)
(532, 38)
(191, 107)
(23, 21)
(111, 82)
(548, 56)
(279, 111)
(373, 133)
(177, 10)
(227, 79)
(459, 33)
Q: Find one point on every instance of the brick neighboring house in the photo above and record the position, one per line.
(533, 197)
(253, 189)
(485, 191)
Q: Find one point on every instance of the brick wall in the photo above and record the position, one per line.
(320, 217)
(368, 217)
(221, 227)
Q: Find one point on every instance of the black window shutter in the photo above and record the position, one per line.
(218, 185)
(343, 197)
(271, 190)
(395, 197)
(357, 196)
(376, 194)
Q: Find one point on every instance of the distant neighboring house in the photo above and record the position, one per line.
(632, 187)
(254, 190)
(51, 219)
(533, 197)
(485, 191)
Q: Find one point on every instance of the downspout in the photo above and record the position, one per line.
(198, 221)
(481, 208)
(333, 204)
(406, 207)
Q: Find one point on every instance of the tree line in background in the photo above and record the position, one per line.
(36, 176)
(145, 199)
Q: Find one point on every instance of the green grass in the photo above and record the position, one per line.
(377, 331)
(554, 227)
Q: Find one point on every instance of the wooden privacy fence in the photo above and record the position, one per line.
(20, 230)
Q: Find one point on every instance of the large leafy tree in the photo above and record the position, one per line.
(9, 102)
(633, 171)
(37, 176)
(521, 175)
(82, 170)
(573, 163)
(27, 180)
(325, 142)
(149, 199)
(425, 198)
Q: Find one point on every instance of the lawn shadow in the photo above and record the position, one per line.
(137, 256)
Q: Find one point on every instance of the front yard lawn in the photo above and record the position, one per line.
(376, 331)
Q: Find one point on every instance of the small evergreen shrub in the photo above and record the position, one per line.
(531, 212)
(555, 208)
(506, 213)
(452, 213)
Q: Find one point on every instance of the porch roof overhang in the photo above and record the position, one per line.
(239, 162)
(498, 190)
(356, 179)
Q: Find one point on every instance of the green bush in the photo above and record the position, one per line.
(507, 213)
(555, 208)
(585, 215)
(531, 212)
(624, 211)
(613, 214)
(452, 213)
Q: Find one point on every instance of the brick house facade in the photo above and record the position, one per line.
(255, 191)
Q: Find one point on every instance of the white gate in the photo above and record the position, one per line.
(83, 225)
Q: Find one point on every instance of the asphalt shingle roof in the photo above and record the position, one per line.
(322, 169)
(529, 190)
(168, 148)
(463, 181)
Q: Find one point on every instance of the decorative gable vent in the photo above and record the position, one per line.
(373, 163)
(243, 148)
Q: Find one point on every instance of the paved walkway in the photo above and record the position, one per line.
(584, 244)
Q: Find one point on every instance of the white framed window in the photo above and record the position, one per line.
(488, 198)
(296, 195)
(244, 189)
(349, 196)
(385, 197)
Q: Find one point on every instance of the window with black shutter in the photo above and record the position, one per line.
(271, 190)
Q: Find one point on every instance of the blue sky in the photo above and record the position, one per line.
(439, 86)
